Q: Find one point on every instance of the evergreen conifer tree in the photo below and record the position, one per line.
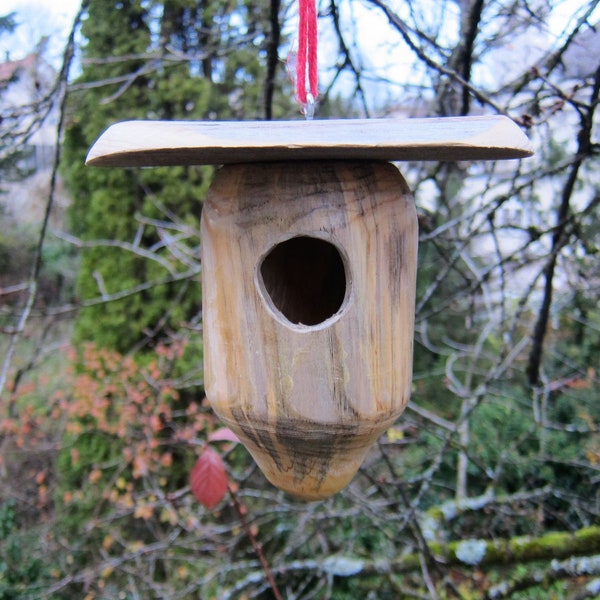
(177, 59)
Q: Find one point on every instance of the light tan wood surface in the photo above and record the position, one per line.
(156, 143)
(308, 279)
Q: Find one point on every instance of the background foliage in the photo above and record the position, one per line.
(487, 486)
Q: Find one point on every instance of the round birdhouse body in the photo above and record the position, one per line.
(308, 305)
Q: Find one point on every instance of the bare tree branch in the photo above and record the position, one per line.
(559, 237)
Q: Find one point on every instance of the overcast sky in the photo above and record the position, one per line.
(53, 18)
(37, 18)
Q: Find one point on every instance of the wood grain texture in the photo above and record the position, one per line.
(158, 143)
(308, 400)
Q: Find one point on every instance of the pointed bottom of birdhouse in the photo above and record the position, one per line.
(313, 463)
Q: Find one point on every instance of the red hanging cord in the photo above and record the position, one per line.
(306, 61)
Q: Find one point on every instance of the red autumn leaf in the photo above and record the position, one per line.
(224, 434)
(208, 478)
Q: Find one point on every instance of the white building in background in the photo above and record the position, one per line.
(30, 119)
(24, 88)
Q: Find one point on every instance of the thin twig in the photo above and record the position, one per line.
(255, 544)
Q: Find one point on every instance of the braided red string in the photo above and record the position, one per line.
(307, 52)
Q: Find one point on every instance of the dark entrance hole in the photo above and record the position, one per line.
(305, 279)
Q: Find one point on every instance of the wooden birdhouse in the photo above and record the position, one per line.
(309, 260)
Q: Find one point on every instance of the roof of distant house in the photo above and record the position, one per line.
(9, 69)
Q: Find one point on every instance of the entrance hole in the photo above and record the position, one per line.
(305, 279)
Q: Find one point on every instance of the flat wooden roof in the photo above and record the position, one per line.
(162, 143)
